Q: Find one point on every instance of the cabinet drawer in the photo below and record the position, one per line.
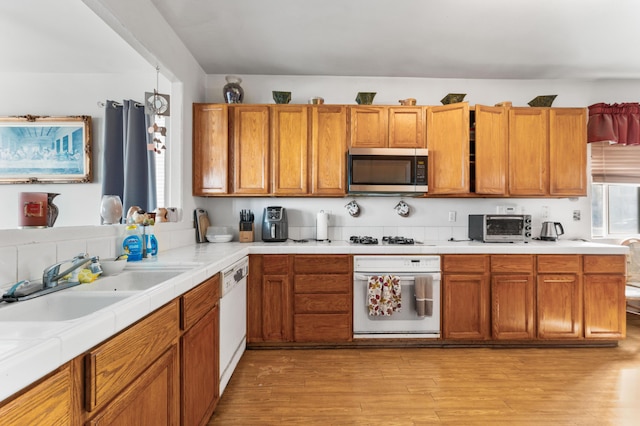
(512, 263)
(466, 263)
(317, 264)
(321, 303)
(111, 366)
(275, 264)
(323, 328)
(322, 284)
(198, 301)
(616, 264)
(558, 263)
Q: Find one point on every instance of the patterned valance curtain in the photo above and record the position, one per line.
(614, 123)
(128, 167)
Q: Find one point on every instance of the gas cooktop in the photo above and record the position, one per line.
(385, 240)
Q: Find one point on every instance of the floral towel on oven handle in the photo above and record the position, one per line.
(383, 295)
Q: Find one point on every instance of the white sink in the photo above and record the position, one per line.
(135, 280)
(61, 306)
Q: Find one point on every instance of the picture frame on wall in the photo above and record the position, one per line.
(41, 149)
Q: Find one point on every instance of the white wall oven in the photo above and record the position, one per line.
(396, 296)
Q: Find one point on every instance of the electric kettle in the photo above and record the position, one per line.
(551, 231)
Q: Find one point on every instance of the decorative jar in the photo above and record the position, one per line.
(111, 209)
(232, 91)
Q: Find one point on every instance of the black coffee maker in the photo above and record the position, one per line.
(275, 226)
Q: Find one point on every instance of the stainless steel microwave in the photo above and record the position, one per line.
(387, 170)
(500, 228)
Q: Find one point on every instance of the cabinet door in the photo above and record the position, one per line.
(152, 399)
(465, 306)
(448, 144)
(329, 150)
(559, 306)
(491, 150)
(604, 307)
(276, 308)
(200, 369)
(406, 127)
(512, 307)
(289, 147)
(48, 402)
(368, 127)
(568, 151)
(250, 149)
(528, 151)
(210, 149)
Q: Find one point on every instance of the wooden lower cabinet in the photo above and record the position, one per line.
(269, 294)
(559, 297)
(323, 298)
(47, 402)
(200, 343)
(465, 297)
(604, 299)
(299, 298)
(151, 399)
(512, 307)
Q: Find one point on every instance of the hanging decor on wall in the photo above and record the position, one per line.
(36, 149)
(157, 105)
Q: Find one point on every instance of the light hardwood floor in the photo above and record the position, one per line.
(468, 386)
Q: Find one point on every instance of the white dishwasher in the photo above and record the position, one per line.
(233, 319)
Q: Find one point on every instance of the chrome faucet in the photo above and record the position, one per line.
(52, 274)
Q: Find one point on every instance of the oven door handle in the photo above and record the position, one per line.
(359, 277)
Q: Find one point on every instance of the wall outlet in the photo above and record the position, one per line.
(545, 212)
(576, 215)
(452, 216)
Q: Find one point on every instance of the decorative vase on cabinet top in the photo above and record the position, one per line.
(232, 91)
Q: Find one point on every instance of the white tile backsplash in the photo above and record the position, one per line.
(8, 265)
(34, 258)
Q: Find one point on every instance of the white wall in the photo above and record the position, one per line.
(62, 95)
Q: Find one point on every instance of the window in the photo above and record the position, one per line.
(615, 192)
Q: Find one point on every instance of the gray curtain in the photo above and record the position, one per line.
(128, 167)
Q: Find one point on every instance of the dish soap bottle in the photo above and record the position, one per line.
(151, 242)
(132, 244)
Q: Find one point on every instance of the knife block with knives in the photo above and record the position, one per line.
(246, 229)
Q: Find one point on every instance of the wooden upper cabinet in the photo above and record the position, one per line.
(491, 150)
(329, 150)
(568, 151)
(448, 144)
(368, 125)
(406, 127)
(289, 147)
(210, 149)
(250, 149)
(528, 151)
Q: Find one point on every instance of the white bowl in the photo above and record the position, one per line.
(112, 266)
(223, 238)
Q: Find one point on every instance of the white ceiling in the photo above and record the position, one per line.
(505, 39)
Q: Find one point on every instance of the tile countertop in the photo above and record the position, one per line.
(30, 350)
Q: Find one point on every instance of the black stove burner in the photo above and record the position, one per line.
(398, 240)
(363, 240)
